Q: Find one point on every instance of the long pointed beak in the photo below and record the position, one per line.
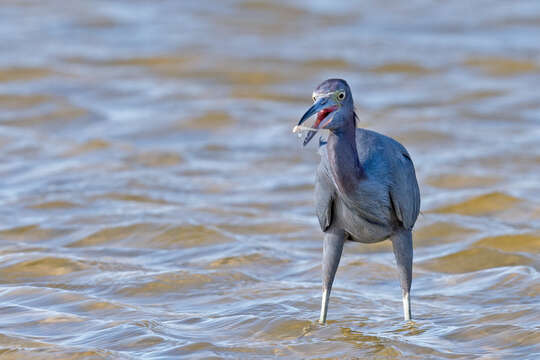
(323, 106)
(318, 105)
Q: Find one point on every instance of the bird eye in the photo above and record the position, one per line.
(341, 95)
(314, 98)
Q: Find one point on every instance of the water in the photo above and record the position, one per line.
(155, 203)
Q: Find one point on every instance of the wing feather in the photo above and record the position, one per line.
(324, 199)
(404, 190)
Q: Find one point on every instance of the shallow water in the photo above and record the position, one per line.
(156, 205)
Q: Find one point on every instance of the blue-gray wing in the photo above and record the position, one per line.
(404, 190)
(324, 198)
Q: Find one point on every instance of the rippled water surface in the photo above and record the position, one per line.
(155, 204)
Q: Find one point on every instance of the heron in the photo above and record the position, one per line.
(365, 190)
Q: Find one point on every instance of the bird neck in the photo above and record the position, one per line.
(343, 157)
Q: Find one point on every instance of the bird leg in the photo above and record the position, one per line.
(333, 246)
(403, 251)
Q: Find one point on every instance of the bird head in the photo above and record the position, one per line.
(333, 104)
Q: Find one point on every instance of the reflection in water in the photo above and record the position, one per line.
(156, 205)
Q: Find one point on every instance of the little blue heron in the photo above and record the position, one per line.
(366, 189)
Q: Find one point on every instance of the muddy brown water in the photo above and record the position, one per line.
(155, 204)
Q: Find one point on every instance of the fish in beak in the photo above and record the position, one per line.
(323, 107)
